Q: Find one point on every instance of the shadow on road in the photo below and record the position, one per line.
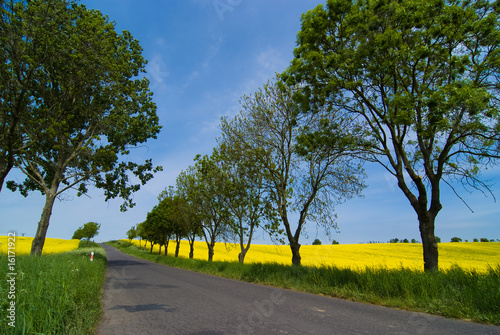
(142, 308)
(112, 263)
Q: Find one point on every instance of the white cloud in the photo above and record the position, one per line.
(157, 73)
(271, 60)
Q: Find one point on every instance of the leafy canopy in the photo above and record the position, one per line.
(87, 104)
(420, 77)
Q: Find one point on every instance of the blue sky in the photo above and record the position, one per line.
(203, 56)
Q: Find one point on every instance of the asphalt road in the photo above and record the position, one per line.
(141, 297)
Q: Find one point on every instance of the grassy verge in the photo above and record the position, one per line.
(454, 293)
(54, 294)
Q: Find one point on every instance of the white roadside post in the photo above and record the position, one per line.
(92, 256)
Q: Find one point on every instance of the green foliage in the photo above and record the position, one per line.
(56, 294)
(84, 103)
(88, 230)
(299, 175)
(317, 242)
(209, 193)
(420, 78)
(456, 239)
(455, 293)
(132, 233)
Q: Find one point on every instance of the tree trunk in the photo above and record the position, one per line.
(151, 251)
(43, 225)
(426, 224)
(4, 171)
(241, 256)
(159, 250)
(295, 253)
(88, 239)
(210, 252)
(177, 248)
(191, 249)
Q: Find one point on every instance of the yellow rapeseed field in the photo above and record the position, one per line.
(51, 246)
(472, 256)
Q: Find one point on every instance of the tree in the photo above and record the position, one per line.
(245, 193)
(208, 191)
(394, 240)
(421, 77)
(161, 223)
(88, 231)
(335, 242)
(143, 234)
(185, 190)
(456, 239)
(87, 106)
(176, 213)
(317, 242)
(132, 233)
(308, 179)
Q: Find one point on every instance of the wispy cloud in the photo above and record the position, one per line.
(271, 59)
(157, 73)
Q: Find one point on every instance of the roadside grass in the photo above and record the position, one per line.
(54, 294)
(454, 292)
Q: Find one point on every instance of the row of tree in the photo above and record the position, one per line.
(410, 85)
(258, 175)
(482, 239)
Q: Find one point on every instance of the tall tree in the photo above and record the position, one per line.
(192, 217)
(269, 126)
(88, 107)
(209, 193)
(421, 77)
(176, 214)
(246, 197)
(161, 224)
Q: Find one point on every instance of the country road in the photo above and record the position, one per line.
(141, 297)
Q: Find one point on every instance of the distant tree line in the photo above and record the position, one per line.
(438, 240)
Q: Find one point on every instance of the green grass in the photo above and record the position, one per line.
(55, 294)
(454, 293)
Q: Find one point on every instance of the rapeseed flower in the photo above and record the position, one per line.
(478, 256)
(51, 246)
